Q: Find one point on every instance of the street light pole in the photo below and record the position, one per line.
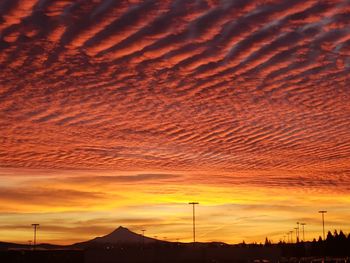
(298, 231)
(194, 220)
(323, 212)
(35, 226)
(303, 224)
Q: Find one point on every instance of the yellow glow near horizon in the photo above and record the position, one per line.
(72, 209)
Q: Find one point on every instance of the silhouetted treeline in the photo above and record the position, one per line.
(336, 245)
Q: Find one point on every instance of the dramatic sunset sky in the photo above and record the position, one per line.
(121, 112)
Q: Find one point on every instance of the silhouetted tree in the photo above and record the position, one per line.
(342, 236)
(329, 237)
(336, 234)
(267, 242)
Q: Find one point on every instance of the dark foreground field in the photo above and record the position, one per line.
(43, 256)
(160, 255)
(182, 254)
(130, 255)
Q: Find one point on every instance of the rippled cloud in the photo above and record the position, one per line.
(212, 93)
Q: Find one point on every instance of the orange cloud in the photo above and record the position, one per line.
(104, 105)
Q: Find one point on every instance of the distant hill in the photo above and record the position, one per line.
(7, 246)
(120, 236)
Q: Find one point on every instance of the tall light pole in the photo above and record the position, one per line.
(35, 226)
(303, 224)
(298, 231)
(288, 237)
(323, 212)
(296, 234)
(291, 236)
(194, 220)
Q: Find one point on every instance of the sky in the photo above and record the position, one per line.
(121, 112)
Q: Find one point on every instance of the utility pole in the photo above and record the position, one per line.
(291, 236)
(303, 225)
(194, 220)
(35, 226)
(323, 212)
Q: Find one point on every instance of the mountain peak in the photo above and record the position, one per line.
(123, 235)
(121, 228)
